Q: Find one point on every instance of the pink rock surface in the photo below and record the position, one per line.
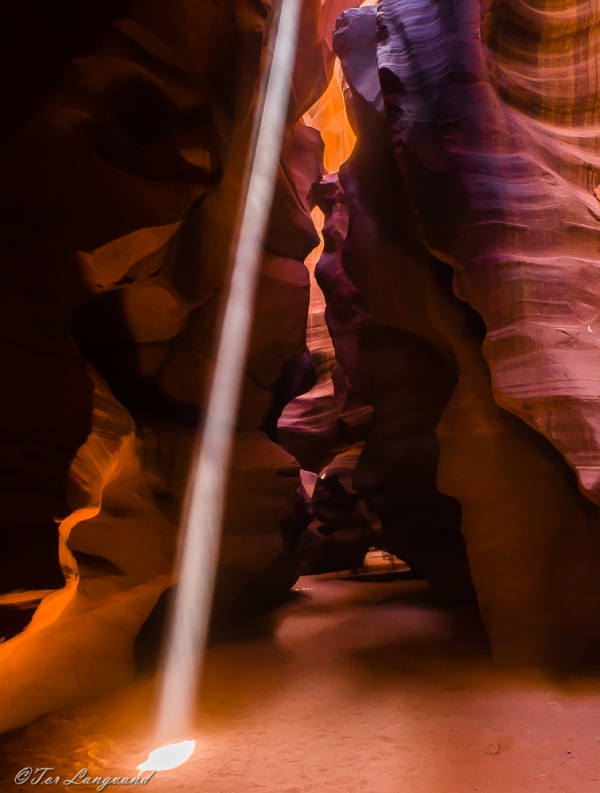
(501, 179)
(532, 538)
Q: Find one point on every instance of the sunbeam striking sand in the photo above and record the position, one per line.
(365, 688)
(201, 533)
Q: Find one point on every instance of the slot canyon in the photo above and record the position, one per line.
(407, 591)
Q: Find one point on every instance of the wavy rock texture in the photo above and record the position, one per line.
(455, 384)
(343, 529)
(103, 156)
(309, 426)
(122, 175)
(407, 382)
(116, 549)
(318, 424)
(443, 166)
(498, 129)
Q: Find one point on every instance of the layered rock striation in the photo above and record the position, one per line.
(122, 178)
(433, 392)
(461, 180)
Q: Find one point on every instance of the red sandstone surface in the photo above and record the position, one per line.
(423, 377)
(365, 687)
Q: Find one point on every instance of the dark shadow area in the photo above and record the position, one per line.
(446, 650)
(383, 578)
(90, 565)
(13, 620)
(148, 643)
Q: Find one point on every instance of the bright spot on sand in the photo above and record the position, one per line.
(169, 756)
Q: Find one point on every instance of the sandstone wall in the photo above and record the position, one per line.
(122, 167)
(455, 165)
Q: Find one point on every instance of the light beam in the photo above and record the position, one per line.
(201, 532)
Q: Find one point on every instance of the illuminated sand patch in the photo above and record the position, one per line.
(170, 756)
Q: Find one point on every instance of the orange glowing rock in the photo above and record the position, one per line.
(328, 115)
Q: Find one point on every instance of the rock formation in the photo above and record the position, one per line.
(122, 174)
(470, 190)
(426, 381)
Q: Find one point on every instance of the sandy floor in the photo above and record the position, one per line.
(365, 687)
